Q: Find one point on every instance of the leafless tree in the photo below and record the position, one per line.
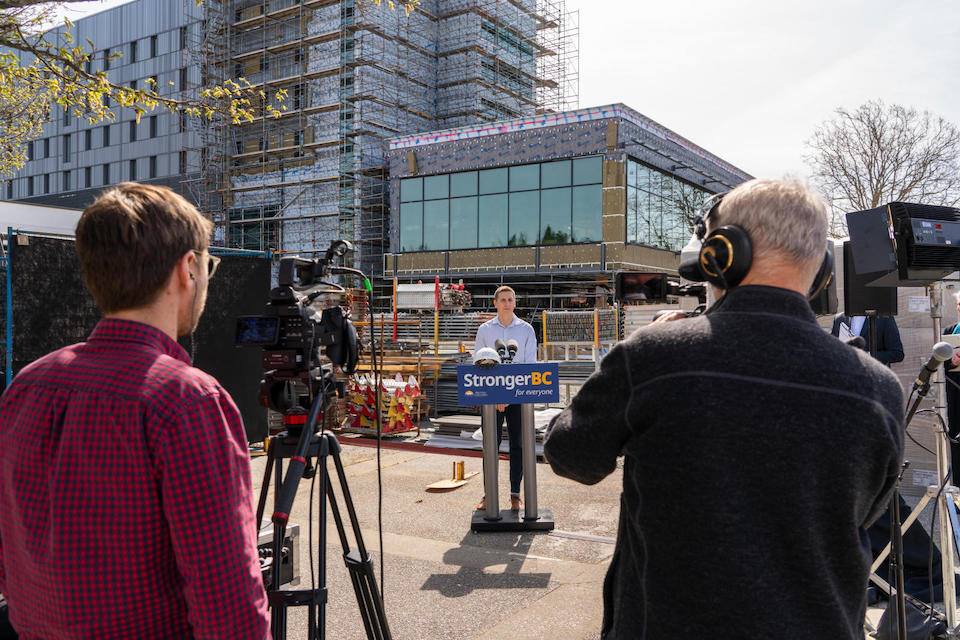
(877, 154)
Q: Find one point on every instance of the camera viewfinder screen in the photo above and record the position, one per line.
(257, 330)
(636, 286)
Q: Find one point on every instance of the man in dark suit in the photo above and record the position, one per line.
(889, 346)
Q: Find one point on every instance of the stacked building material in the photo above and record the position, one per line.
(398, 404)
(579, 326)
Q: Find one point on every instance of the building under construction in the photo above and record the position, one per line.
(356, 74)
(554, 205)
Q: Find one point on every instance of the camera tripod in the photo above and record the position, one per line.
(298, 451)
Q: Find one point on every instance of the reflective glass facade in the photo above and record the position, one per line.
(556, 202)
(660, 208)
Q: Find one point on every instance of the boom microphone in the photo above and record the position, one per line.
(942, 351)
(500, 347)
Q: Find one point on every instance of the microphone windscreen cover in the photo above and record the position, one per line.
(943, 351)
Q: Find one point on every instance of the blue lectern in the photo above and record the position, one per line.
(522, 384)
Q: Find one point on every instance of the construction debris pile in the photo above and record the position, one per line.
(455, 295)
(399, 410)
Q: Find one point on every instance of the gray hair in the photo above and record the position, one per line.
(781, 216)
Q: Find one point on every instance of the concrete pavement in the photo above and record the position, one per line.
(442, 580)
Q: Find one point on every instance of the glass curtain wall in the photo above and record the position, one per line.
(660, 208)
(557, 202)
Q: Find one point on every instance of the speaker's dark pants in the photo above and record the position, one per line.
(512, 414)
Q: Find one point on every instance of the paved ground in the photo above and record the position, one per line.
(442, 580)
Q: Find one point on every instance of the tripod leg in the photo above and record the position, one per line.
(264, 486)
(357, 560)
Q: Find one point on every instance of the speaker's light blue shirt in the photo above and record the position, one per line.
(856, 324)
(518, 330)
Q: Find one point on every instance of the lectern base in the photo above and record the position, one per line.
(512, 521)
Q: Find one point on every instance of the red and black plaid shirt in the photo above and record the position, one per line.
(126, 506)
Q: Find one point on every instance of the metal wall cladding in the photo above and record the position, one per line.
(509, 148)
(674, 155)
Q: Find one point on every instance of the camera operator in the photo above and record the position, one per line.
(126, 507)
(506, 326)
(732, 423)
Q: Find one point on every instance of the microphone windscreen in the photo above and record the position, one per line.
(513, 344)
(499, 345)
(943, 351)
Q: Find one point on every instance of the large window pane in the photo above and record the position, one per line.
(411, 226)
(493, 220)
(656, 220)
(631, 213)
(463, 184)
(411, 189)
(632, 173)
(643, 177)
(587, 170)
(555, 174)
(524, 218)
(435, 187)
(525, 177)
(643, 218)
(587, 204)
(493, 181)
(463, 223)
(436, 224)
(555, 216)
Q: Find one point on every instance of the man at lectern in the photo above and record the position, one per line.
(507, 327)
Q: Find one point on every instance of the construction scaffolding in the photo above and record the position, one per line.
(356, 74)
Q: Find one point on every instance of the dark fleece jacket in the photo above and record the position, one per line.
(758, 448)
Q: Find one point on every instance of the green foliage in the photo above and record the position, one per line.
(41, 69)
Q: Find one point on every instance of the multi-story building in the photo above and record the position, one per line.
(74, 159)
(355, 73)
(553, 204)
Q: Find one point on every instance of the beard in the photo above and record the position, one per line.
(189, 319)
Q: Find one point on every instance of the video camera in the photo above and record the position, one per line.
(636, 286)
(292, 333)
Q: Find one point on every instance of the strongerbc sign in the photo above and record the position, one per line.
(508, 384)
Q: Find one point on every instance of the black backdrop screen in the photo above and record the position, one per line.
(52, 309)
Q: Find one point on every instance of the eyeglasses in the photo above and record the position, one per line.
(212, 264)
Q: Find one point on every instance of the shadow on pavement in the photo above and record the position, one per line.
(476, 563)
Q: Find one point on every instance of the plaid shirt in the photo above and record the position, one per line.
(126, 506)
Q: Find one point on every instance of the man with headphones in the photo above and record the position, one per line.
(731, 423)
(126, 503)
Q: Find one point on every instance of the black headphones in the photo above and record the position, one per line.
(727, 253)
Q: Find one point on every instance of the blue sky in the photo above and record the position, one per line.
(749, 80)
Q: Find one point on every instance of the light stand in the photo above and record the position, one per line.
(948, 530)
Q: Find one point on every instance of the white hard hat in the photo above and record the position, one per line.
(486, 358)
